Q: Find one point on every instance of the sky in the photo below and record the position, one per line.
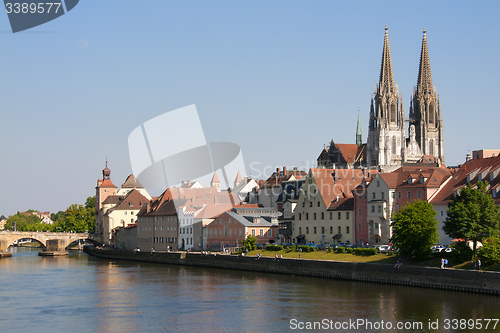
(280, 78)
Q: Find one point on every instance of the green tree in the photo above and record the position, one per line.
(21, 222)
(472, 215)
(57, 217)
(414, 230)
(250, 242)
(490, 252)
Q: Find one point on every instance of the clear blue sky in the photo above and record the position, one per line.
(279, 78)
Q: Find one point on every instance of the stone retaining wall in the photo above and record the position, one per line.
(428, 277)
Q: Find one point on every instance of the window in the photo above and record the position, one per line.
(331, 230)
(253, 232)
(376, 225)
(318, 203)
(314, 216)
(339, 215)
(307, 216)
(322, 215)
(359, 197)
(359, 211)
(331, 216)
(314, 229)
(373, 195)
(399, 195)
(300, 216)
(383, 195)
(322, 230)
(340, 230)
(261, 232)
(442, 213)
(347, 215)
(346, 230)
(408, 194)
(220, 232)
(378, 183)
(300, 230)
(230, 232)
(125, 212)
(307, 230)
(359, 226)
(379, 209)
(303, 204)
(269, 232)
(418, 194)
(373, 209)
(310, 204)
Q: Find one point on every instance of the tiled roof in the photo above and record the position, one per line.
(215, 179)
(475, 170)
(247, 221)
(132, 182)
(133, 200)
(333, 183)
(212, 211)
(342, 204)
(107, 183)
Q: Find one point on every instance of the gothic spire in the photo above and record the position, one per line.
(424, 82)
(358, 132)
(386, 81)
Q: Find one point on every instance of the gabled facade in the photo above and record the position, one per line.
(324, 211)
(231, 228)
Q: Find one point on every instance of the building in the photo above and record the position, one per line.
(377, 200)
(104, 188)
(387, 145)
(231, 228)
(324, 211)
(471, 172)
(3, 220)
(287, 202)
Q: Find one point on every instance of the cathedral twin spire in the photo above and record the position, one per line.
(387, 143)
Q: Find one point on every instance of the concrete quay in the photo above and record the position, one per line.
(425, 277)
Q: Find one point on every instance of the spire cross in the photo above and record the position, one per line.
(425, 31)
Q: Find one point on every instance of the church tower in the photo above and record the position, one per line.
(425, 111)
(386, 130)
(359, 139)
(104, 189)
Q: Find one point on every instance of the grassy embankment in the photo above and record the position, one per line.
(434, 261)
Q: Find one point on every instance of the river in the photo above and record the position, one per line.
(87, 294)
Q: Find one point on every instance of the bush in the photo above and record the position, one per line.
(365, 251)
(294, 247)
(490, 252)
(274, 247)
(331, 249)
(306, 248)
(340, 249)
(462, 252)
(349, 250)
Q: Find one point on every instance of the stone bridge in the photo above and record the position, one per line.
(63, 239)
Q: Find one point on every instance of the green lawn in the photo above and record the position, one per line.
(377, 258)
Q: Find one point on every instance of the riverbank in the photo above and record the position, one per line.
(426, 277)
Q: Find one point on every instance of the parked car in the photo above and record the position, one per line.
(384, 248)
(438, 248)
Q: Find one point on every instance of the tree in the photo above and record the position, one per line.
(250, 242)
(472, 215)
(414, 230)
(21, 222)
(490, 252)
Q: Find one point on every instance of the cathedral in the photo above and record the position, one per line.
(387, 146)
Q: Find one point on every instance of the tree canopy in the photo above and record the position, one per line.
(414, 230)
(250, 242)
(76, 218)
(472, 215)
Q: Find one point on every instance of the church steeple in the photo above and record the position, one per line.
(386, 81)
(358, 132)
(386, 131)
(425, 111)
(424, 81)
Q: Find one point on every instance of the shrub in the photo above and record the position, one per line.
(294, 247)
(340, 249)
(331, 249)
(365, 251)
(490, 252)
(349, 250)
(462, 252)
(274, 247)
(306, 248)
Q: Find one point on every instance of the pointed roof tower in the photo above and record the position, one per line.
(215, 182)
(424, 81)
(386, 80)
(358, 132)
(106, 172)
(238, 179)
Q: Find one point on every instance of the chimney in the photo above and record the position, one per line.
(284, 171)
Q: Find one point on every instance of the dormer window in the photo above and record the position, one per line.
(410, 180)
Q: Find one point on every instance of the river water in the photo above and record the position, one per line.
(86, 294)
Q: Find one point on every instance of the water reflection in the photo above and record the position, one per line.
(89, 294)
